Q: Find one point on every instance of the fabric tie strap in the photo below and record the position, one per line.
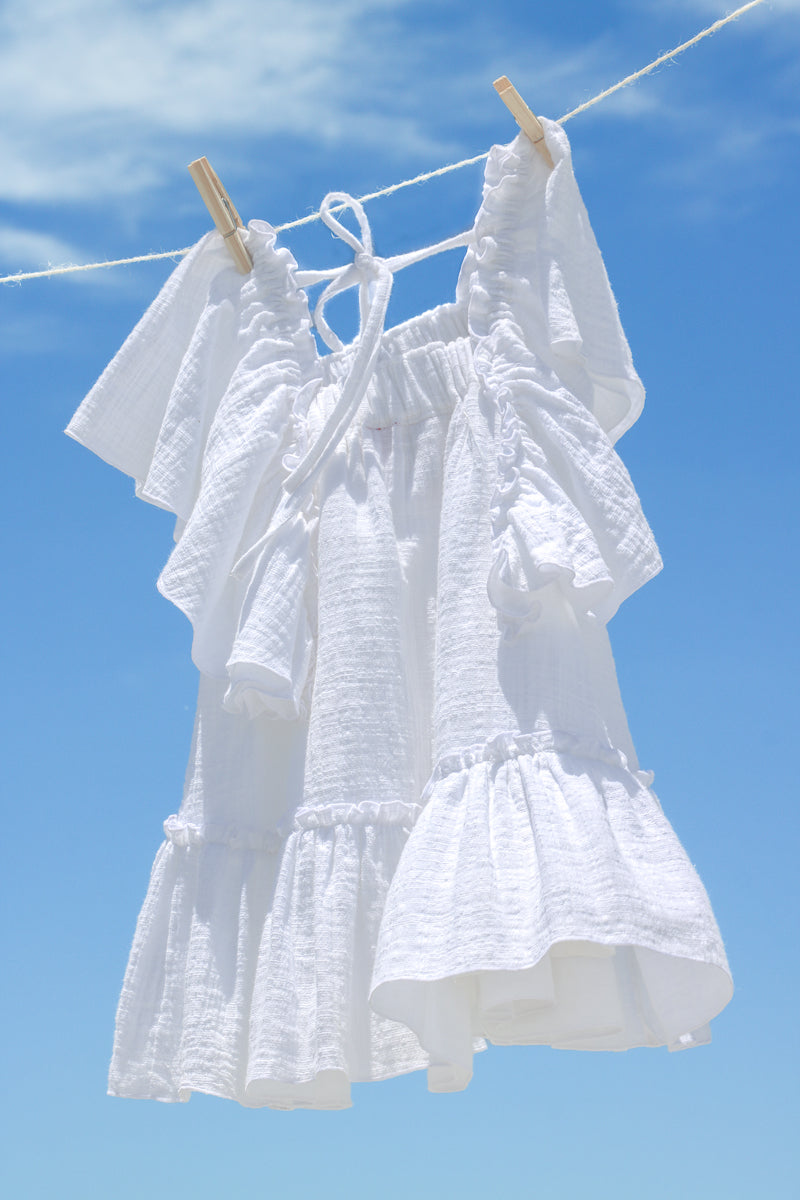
(374, 278)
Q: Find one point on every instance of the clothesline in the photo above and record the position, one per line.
(395, 187)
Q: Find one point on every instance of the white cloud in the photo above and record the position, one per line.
(104, 91)
(709, 11)
(217, 63)
(107, 95)
(27, 250)
(722, 162)
(30, 250)
(95, 85)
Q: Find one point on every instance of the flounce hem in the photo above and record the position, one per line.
(327, 1091)
(250, 968)
(544, 898)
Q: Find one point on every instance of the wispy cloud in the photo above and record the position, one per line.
(23, 250)
(107, 95)
(99, 89)
(716, 9)
(104, 91)
(27, 249)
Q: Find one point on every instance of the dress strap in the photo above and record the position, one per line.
(374, 279)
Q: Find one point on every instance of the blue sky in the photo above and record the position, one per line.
(692, 183)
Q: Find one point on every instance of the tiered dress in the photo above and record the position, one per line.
(413, 820)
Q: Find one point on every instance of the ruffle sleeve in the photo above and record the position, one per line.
(144, 415)
(558, 387)
(198, 406)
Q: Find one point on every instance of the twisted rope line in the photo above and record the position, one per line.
(396, 187)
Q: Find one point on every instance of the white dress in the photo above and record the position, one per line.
(413, 820)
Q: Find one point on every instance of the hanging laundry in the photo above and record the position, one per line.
(413, 819)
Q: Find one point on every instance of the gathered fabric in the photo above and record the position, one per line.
(413, 822)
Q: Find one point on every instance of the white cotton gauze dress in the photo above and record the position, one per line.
(413, 819)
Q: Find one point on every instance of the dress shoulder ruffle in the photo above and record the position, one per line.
(557, 388)
(199, 407)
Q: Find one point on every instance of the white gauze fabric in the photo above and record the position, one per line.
(413, 820)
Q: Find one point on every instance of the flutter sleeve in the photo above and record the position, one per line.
(144, 415)
(557, 388)
(197, 406)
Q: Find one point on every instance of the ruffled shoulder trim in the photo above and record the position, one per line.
(541, 267)
(121, 418)
(224, 564)
(167, 393)
(557, 387)
(199, 407)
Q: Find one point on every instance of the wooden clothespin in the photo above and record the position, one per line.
(223, 213)
(519, 110)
